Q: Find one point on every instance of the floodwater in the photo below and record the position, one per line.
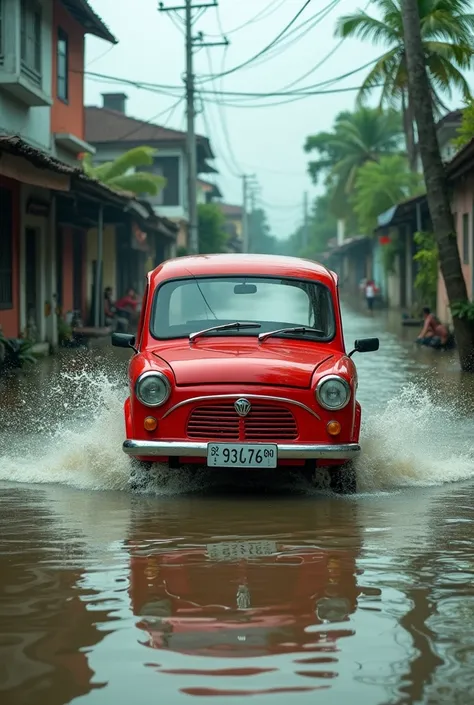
(206, 589)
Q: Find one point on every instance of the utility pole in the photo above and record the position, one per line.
(305, 221)
(191, 136)
(249, 183)
(190, 43)
(245, 216)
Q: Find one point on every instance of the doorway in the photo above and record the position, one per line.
(32, 302)
(78, 271)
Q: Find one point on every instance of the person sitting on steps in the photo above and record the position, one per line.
(434, 333)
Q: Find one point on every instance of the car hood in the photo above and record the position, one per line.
(274, 363)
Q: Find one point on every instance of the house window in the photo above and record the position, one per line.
(31, 38)
(62, 64)
(6, 250)
(169, 167)
(465, 238)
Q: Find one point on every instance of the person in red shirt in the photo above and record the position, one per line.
(127, 306)
(129, 302)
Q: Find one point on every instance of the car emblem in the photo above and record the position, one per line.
(242, 407)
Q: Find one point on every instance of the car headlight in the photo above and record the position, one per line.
(333, 609)
(152, 389)
(333, 392)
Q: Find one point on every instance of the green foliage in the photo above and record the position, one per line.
(114, 173)
(359, 137)
(426, 280)
(380, 185)
(466, 129)
(463, 310)
(181, 251)
(261, 240)
(446, 28)
(212, 235)
(17, 353)
(390, 252)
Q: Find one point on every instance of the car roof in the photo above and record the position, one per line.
(241, 264)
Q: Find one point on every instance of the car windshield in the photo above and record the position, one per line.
(185, 306)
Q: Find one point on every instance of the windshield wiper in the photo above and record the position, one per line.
(225, 326)
(300, 329)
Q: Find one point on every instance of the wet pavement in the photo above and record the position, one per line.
(208, 587)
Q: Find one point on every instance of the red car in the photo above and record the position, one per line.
(240, 363)
(243, 599)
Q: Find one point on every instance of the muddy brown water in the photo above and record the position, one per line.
(211, 588)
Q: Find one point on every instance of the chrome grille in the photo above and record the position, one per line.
(264, 423)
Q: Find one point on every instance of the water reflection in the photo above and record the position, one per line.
(46, 624)
(109, 597)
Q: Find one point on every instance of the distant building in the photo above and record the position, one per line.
(112, 132)
(207, 192)
(447, 130)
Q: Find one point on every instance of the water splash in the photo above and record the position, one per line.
(74, 432)
(417, 439)
(69, 434)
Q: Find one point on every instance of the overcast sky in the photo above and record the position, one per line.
(265, 141)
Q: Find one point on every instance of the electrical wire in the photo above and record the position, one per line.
(287, 42)
(171, 110)
(273, 7)
(171, 90)
(322, 61)
(237, 170)
(208, 128)
(265, 49)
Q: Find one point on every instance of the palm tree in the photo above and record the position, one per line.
(380, 185)
(447, 30)
(114, 174)
(357, 138)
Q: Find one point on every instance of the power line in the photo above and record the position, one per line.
(170, 110)
(191, 149)
(237, 171)
(171, 90)
(265, 49)
(273, 7)
(288, 42)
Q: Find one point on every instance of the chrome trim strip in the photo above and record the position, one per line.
(237, 396)
(297, 451)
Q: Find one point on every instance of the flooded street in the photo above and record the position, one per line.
(206, 585)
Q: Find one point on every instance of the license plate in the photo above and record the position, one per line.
(241, 455)
(235, 550)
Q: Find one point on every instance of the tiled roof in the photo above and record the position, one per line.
(231, 211)
(18, 147)
(105, 125)
(90, 20)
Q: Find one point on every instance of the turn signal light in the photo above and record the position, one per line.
(334, 428)
(150, 423)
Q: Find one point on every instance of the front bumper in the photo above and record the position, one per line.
(286, 451)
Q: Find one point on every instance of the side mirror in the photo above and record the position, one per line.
(365, 345)
(123, 340)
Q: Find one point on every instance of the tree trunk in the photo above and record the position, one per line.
(436, 181)
(409, 130)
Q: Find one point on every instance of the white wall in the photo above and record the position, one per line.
(31, 123)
